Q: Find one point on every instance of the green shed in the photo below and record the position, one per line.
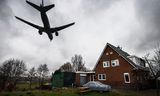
(63, 79)
(57, 79)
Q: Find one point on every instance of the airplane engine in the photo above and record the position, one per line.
(40, 32)
(56, 33)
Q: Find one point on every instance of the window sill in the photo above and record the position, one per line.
(102, 79)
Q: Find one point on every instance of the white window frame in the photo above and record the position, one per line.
(106, 64)
(116, 61)
(100, 76)
(124, 74)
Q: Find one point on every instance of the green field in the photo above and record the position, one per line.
(23, 90)
(75, 92)
(57, 92)
(25, 86)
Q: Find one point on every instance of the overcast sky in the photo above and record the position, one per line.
(132, 24)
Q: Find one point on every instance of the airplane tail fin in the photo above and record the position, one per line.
(42, 3)
(39, 8)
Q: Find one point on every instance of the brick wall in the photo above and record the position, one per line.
(114, 75)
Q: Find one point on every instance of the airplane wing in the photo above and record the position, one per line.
(31, 24)
(34, 5)
(61, 27)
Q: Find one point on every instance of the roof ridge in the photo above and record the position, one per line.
(118, 48)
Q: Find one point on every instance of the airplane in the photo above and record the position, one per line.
(47, 29)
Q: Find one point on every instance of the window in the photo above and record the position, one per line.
(101, 76)
(107, 54)
(126, 78)
(106, 64)
(115, 62)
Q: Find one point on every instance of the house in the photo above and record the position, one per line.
(121, 70)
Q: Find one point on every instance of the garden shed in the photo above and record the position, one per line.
(63, 79)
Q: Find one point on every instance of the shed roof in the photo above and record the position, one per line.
(85, 72)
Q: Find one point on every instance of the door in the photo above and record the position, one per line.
(82, 80)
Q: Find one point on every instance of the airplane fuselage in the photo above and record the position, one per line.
(46, 24)
(45, 20)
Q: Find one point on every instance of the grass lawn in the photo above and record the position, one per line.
(25, 86)
(149, 92)
(57, 92)
(75, 92)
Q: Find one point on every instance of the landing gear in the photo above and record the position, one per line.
(56, 34)
(40, 32)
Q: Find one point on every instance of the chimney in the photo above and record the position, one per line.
(119, 47)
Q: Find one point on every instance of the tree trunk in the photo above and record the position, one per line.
(30, 83)
(157, 87)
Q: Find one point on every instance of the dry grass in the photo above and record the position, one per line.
(75, 92)
(57, 92)
(149, 92)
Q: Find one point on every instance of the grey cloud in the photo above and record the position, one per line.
(86, 37)
(8, 30)
(5, 15)
(148, 14)
(94, 6)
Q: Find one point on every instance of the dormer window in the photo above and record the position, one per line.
(115, 63)
(137, 60)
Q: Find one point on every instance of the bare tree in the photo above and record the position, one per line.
(12, 70)
(66, 67)
(154, 63)
(78, 63)
(42, 73)
(154, 66)
(31, 76)
(156, 58)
